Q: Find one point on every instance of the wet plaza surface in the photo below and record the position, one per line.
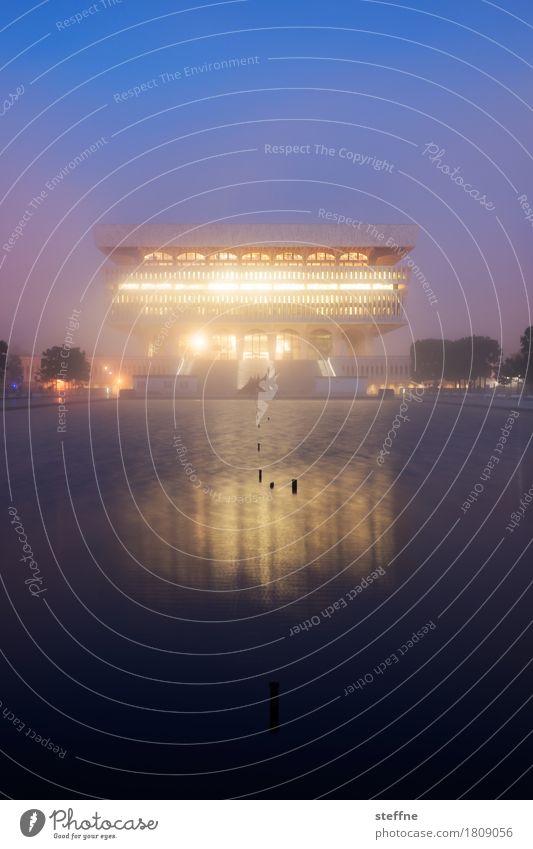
(163, 588)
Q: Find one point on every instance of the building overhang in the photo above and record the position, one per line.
(385, 244)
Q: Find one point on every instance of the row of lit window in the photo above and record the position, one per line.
(197, 291)
(223, 299)
(254, 257)
(236, 274)
(290, 310)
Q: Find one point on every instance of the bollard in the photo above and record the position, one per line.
(274, 705)
(259, 446)
(294, 486)
(271, 484)
(260, 475)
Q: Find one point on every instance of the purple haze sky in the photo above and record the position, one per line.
(379, 79)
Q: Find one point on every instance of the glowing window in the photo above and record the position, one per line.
(255, 257)
(190, 256)
(288, 256)
(287, 344)
(354, 258)
(255, 346)
(159, 258)
(224, 346)
(223, 256)
(319, 257)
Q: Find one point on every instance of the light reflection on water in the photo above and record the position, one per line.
(251, 548)
(226, 531)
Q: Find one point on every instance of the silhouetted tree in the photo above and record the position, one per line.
(427, 360)
(464, 361)
(458, 355)
(486, 357)
(73, 368)
(526, 349)
(512, 367)
(15, 372)
(3, 359)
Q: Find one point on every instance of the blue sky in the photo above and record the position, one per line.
(381, 80)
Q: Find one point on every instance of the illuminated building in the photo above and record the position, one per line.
(317, 295)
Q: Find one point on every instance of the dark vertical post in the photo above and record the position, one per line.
(260, 475)
(259, 446)
(294, 486)
(274, 705)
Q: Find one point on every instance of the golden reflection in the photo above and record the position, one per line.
(238, 535)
